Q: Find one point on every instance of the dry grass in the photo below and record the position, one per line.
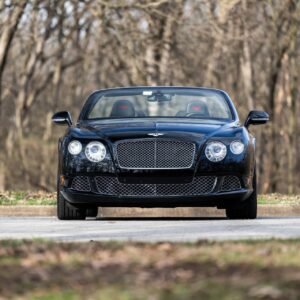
(205, 270)
(279, 199)
(27, 198)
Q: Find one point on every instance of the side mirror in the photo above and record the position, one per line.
(256, 117)
(62, 118)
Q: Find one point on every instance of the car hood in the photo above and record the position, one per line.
(116, 130)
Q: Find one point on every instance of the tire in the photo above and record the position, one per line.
(66, 211)
(92, 212)
(248, 208)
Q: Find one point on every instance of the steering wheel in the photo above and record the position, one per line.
(195, 115)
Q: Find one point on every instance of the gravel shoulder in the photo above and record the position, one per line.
(264, 210)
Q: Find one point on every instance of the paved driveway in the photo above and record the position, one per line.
(148, 229)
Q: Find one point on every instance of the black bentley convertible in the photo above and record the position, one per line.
(157, 147)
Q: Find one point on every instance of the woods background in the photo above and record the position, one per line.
(54, 53)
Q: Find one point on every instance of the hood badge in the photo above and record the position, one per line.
(155, 134)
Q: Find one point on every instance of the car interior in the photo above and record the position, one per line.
(125, 108)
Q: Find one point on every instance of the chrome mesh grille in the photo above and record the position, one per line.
(111, 186)
(155, 154)
(81, 183)
(230, 183)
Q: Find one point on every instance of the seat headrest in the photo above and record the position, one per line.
(197, 107)
(122, 108)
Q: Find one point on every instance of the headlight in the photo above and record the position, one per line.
(75, 147)
(215, 151)
(237, 147)
(95, 151)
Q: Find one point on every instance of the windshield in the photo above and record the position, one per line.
(147, 103)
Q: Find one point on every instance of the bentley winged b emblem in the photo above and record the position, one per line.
(155, 134)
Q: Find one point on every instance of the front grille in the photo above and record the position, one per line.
(111, 186)
(81, 183)
(230, 183)
(155, 154)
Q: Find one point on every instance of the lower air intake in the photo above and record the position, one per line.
(111, 186)
(81, 184)
(231, 183)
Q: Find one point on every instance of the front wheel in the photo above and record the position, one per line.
(66, 211)
(248, 208)
(92, 212)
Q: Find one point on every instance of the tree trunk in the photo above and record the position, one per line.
(7, 35)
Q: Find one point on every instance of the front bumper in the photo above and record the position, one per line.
(219, 199)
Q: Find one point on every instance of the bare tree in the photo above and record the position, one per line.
(9, 28)
(54, 53)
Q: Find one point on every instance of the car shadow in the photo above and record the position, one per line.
(156, 218)
(213, 218)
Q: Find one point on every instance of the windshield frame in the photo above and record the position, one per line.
(92, 100)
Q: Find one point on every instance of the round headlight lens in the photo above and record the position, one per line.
(95, 151)
(215, 151)
(75, 147)
(237, 147)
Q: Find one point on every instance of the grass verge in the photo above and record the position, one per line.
(41, 198)
(27, 198)
(278, 199)
(204, 270)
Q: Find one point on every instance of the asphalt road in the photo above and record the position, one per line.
(148, 229)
